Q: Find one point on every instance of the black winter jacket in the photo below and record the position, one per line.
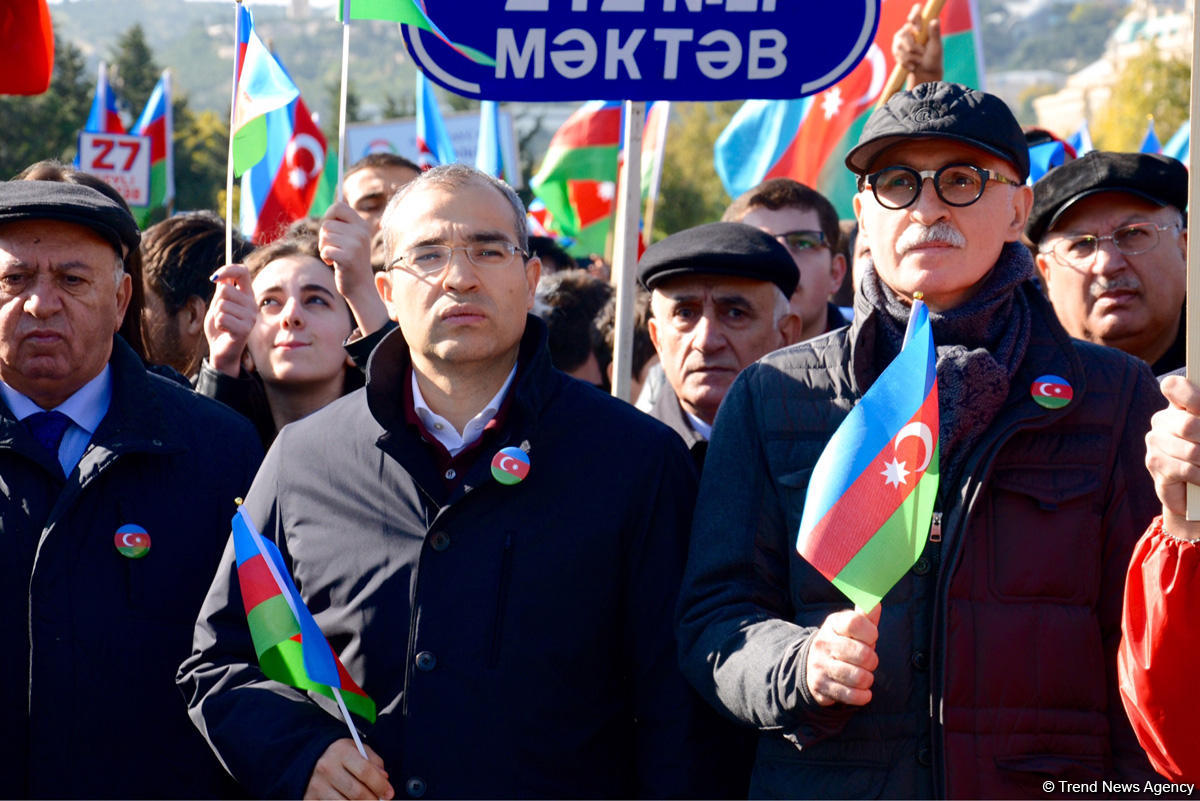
(998, 648)
(92, 638)
(517, 639)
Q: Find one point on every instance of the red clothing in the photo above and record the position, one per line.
(1160, 651)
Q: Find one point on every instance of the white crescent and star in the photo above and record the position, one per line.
(878, 65)
(298, 175)
(126, 542)
(1048, 389)
(896, 472)
(504, 466)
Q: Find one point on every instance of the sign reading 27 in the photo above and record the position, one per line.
(555, 50)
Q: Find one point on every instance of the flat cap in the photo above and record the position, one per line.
(720, 248)
(943, 111)
(1159, 179)
(73, 203)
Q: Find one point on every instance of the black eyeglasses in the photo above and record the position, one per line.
(1079, 251)
(955, 184)
(801, 241)
(430, 259)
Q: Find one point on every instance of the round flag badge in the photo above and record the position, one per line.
(132, 541)
(1052, 392)
(510, 466)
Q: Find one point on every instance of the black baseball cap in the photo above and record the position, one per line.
(73, 203)
(720, 248)
(1159, 179)
(943, 110)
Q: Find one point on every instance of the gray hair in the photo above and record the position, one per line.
(450, 176)
(119, 272)
(783, 307)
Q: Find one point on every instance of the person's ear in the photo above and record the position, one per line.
(192, 316)
(1022, 204)
(837, 272)
(247, 361)
(384, 286)
(791, 328)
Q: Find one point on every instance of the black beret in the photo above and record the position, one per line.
(720, 248)
(74, 203)
(1159, 179)
(944, 111)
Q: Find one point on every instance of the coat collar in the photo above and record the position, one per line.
(134, 422)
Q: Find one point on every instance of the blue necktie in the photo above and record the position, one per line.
(48, 429)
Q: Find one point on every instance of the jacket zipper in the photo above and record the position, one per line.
(935, 528)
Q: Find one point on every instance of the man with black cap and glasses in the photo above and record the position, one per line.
(989, 669)
(1112, 251)
(116, 490)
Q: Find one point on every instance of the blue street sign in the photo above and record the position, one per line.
(547, 50)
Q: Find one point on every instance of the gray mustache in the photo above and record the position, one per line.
(1100, 285)
(941, 232)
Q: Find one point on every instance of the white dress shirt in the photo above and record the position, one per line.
(446, 433)
(702, 429)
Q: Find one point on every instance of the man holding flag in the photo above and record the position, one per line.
(986, 498)
(514, 631)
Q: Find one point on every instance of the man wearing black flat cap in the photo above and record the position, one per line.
(719, 301)
(1112, 251)
(116, 491)
(989, 668)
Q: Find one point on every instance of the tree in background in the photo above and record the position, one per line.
(46, 126)
(1149, 84)
(136, 71)
(691, 193)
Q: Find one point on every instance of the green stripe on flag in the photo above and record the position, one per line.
(272, 622)
(285, 663)
(249, 144)
(889, 554)
(958, 59)
(404, 12)
(591, 239)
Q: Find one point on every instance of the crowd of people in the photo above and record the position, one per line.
(549, 592)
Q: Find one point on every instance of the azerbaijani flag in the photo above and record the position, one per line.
(104, 116)
(433, 143)
(807, 139)
(409, 12)
(489, 154)
(1150, 143)
(27, 40)
(1179, 146)
(290, 646)
(262, 87)
(155, 123)
(868, 508)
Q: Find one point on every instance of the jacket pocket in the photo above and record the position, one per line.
(1045, 532)
(506, 556)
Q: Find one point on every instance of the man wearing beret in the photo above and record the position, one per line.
(989, 668)
(116, 491)
(1112, 251)
(514, 631)
(718, 301)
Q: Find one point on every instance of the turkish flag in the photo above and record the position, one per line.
(296, 178)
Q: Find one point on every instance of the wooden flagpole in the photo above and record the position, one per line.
(229, 162)
(1192, 362)
(629, 210)
(899, 75)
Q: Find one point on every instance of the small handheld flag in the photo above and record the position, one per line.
(156, 123)
(870, 503)
(261, 87)
(290, 646)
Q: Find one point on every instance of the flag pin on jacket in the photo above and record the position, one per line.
(510, 465)
(1052, 392)
(132, 541)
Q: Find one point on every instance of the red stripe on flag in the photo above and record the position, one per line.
(256, 582)
(601, 128)
(869, 501)
(157, 131)
(956, 17)
(348, 683)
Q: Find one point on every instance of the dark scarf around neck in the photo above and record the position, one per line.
(979, 344)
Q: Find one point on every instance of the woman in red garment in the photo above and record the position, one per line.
(1160, 644)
